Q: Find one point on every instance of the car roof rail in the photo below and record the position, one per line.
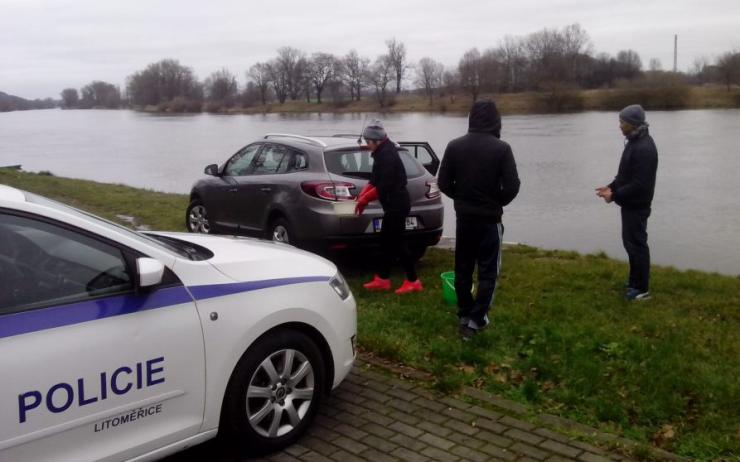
(308, 139)
(346, 135)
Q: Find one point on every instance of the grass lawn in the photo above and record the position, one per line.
(664, 371)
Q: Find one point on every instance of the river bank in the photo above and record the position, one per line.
(557, 100)
(562, 340)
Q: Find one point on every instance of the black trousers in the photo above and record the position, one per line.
(393, 245)
(479, 243)
(634, 237)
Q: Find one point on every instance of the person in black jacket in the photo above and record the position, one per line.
(479, 173)
(388, 184)
(633, 190)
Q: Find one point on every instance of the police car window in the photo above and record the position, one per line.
(240, 163)
(45, 265)
(359, 163)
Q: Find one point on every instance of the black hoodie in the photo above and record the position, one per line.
(478, 170)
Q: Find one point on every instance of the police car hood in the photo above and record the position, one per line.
(248, 259)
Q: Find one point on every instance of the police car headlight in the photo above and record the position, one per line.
(340, 286)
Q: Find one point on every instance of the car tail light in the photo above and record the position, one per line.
(331, 191)
(433, 191)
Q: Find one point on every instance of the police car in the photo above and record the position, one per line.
(118, 345)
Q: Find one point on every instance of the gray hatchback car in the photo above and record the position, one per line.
(300, 190)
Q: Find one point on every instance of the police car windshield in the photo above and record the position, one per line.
(109, 224)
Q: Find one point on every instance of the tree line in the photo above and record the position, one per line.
(542, 61)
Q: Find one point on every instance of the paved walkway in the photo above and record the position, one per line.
(375, 417)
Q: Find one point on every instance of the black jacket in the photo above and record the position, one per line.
(389, 178)
(478, 170)
(634, 185)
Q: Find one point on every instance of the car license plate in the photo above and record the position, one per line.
(411, 223)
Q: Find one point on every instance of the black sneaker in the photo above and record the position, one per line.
(463, 320)
(636, 295)
(479, 326)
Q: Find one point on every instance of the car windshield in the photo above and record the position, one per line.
(168, 245)
(359, 163)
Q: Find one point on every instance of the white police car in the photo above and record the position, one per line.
(120, 345)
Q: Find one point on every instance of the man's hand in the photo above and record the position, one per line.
(605, 193)
(360, 207)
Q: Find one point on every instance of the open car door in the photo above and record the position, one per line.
(423, 152)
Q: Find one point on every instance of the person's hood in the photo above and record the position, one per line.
(485, 118)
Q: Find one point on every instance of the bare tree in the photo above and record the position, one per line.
(354, 69)
(99, 94)
(321, 70)
(221, 88)
(655, 65)
(451, 80)
(429, 76)
(380, 75)
(397, 57)
(728, 66)
(70, 98)
(469, 70)
(491, 70)
(289, 70)
(260, 75)
(279, 79)
(514, 62)
(629, 64)
(163, 81)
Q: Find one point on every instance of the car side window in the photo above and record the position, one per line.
(272, 159)
(298, 162)
(423, 155)
(240, 163)
(42, 265)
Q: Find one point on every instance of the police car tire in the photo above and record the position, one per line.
(235, 426)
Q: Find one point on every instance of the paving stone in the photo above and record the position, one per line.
(426, 393)
(530, 438)
(529, 451)
(435, 429)
(409, 456)
(458, 414)
(492, 438)
(490, 425)
(352, 432)
(373, 395)
(408, 442)
(350, 419)
(402, 394)
(465, 440)
(403, 406)
(520, 424)
(429, 404)
(311, 456)
(552, 435)
(381, 444)
(350, 445)
(344, 456)
(495, 400)
(436, 441)
(560, 448)
(439, 455)
(377, 456)
(487, 413)
(378, 430)
(431, 416)
(408, 430)
(589, 457)
(318, 445)
(461, 427)
(376, 418)
(296, 450)
(455, 403)
(404, 417)
(498, 453)
(471, 454)
(283, 457)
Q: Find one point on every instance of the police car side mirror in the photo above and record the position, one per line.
(150, 271)
(211, 169)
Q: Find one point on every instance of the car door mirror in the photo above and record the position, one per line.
(150, 271)
(211, 169)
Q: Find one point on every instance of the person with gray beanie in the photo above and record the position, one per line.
(633, 189)
(388, 185)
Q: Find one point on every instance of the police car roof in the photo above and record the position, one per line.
(11, 194)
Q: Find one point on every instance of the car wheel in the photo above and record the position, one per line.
(279, 231)
(196, 218)
(274, 392)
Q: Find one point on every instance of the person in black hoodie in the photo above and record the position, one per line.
(479, 173)
(633, 190)
(388, 184)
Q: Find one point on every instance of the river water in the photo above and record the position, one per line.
(561, 159)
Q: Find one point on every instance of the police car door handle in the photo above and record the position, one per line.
(233, 189)
(266, 189)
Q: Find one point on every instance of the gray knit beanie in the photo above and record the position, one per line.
(374, 131)
(633, 115)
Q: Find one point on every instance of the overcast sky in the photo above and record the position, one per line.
(46, 46)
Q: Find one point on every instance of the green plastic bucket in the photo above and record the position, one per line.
(448, 287)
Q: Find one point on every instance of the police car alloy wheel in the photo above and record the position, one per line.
(274, 392)
(197, 218)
